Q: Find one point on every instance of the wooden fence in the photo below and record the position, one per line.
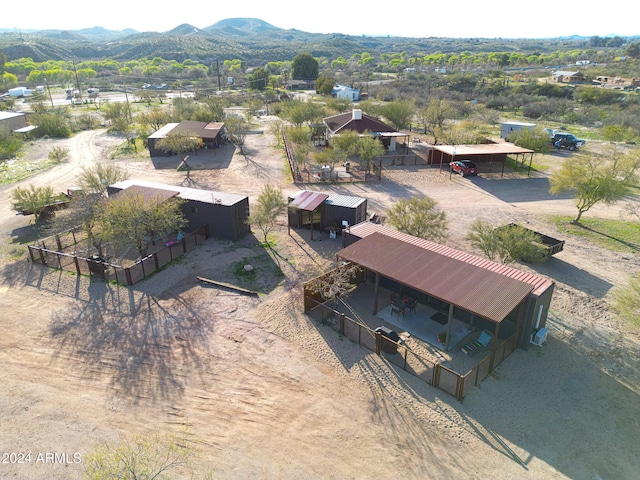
(396, 353)
(94, 266)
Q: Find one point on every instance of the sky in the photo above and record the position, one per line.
(408, 18)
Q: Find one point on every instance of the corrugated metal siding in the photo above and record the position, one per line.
(344, 201)
(483, 292)
(308, 201)
(539, 283)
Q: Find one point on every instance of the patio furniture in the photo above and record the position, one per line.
(411, 304)
(474, 347)
(397, 308)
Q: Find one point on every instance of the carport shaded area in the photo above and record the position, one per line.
(481, 153)
(424, 267)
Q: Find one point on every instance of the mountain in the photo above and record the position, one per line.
(250, 39)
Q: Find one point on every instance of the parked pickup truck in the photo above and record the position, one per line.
(567, 140)
(550, 244)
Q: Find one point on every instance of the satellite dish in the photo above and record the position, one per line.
(345, 223)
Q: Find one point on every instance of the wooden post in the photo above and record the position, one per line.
(450, 321)
(375, 294)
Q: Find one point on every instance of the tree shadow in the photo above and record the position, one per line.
(633, 246)
(574, 276)
(145, 354)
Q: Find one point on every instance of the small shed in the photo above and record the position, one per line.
(564, 76)
(225, 213)
(211, 133)
(13, 120)
(325, 211)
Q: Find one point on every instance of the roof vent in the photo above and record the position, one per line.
(357, 114)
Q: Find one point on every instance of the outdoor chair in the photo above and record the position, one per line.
(474, 347)
(397, 309)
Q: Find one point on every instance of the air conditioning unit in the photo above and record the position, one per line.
(539, 336)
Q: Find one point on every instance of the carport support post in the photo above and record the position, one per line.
(449, 322)
(375, 294)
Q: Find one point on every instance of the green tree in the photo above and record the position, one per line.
(154, 118)
(270, 205)
(259, 79)
(33, 200)
(435, 116)
(419, 217)
(324, 85)
(507, 244)
(52, 124)
(347, 141)
(304, 67)
(237, 129)
(299, 112)
(10, 144)
(594, 178)
(129, 218)
(633, 50)
(97, 178)
(179, 143)
(368, 148)
(399, 113)
(535, 139)
(139, 457)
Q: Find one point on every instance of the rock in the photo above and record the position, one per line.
(248, 268)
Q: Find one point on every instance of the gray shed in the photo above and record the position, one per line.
(326, 210)
(225, 213)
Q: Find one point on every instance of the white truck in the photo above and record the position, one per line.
(509, 128)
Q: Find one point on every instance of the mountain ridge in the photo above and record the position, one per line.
(249, 39)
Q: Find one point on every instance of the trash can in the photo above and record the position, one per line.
(388, 338)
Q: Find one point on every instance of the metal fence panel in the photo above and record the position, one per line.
(483, 370)
(420, 367)
(368, 339)
(469, 381)
(352, 330)
(448, 380)
(164, 257)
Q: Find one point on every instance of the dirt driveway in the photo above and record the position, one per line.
(261, 391)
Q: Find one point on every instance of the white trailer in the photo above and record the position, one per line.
(509, 128)
(19, 92)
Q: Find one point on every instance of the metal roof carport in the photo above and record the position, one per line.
(482, 292)
(449, 153)
(307, 202)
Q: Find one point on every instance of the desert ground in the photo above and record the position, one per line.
(261, 391)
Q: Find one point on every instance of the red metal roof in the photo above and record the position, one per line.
(482, 149)
(540, 284)
(483, 292)
(308, 201)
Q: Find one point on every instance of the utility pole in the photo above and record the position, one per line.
(218, 72)
(49, 90)
(75, 72)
